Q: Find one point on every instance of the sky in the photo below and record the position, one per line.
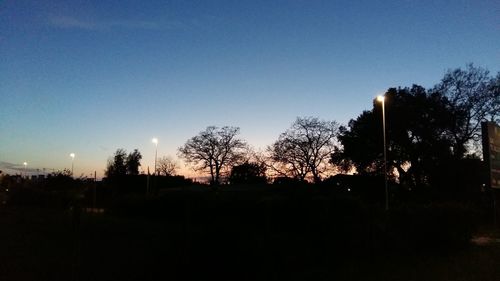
(89, 77)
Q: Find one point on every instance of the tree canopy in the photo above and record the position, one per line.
(426, 130)
(122, 164)
(133, 162)
(214, 150)
(417, 126)
(166, 166)
(304, 149)
(474, 97)
(248, 172)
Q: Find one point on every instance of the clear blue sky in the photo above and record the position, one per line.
(92, 76)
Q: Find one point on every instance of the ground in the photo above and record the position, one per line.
(44, 244)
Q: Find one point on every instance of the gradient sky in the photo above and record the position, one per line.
(92, 76)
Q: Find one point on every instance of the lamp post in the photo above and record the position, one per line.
(72, 155)
(381, 99)
(25, 165)
(155, 141)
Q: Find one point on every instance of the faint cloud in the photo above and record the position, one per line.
(16, 169)
(69, 23)
(11, 168)
(7, 165)
(66, 22)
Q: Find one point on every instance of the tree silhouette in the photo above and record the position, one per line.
(117, 164)
(133, 162)
(213, 150)
(494, 89)
(418, 142)
(60, 180)
(122, 164)
(167, 166)
(361, 144)
(474, 97)
(304, 148)
(248, 173)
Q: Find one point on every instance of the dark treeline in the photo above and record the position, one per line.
(429, 132)
(313, 199)
(432, 147)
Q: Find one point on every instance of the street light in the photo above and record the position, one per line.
(381, 99)
(25, 165)
(155, 141)
(72, 155)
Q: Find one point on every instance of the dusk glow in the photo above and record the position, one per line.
(93, 77)
(250, 140)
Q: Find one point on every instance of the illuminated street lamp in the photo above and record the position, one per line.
(155, 141)
(25, 165)
(381, 99)
(72, 155)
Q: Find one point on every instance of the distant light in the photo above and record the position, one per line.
(155, 140)
(25, 163)
(72, 155)
(348, 189)
(380, 98)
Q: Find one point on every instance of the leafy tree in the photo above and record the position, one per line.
(122, 164)
(60, 180)
(167, 166)
(117, 164)
(304, 148)
(133, 162)
(361, 144)
(248, 172)
(417, 123)
(474, 96)
(65, 173)
(213, 150)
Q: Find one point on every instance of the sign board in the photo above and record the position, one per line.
(491, 152)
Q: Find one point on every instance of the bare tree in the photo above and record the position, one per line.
(494, 90)
(283, 161)
(167, 166)
(304, 149)
(214, 150)
(474, 97)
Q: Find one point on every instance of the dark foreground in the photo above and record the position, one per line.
(45, 244)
